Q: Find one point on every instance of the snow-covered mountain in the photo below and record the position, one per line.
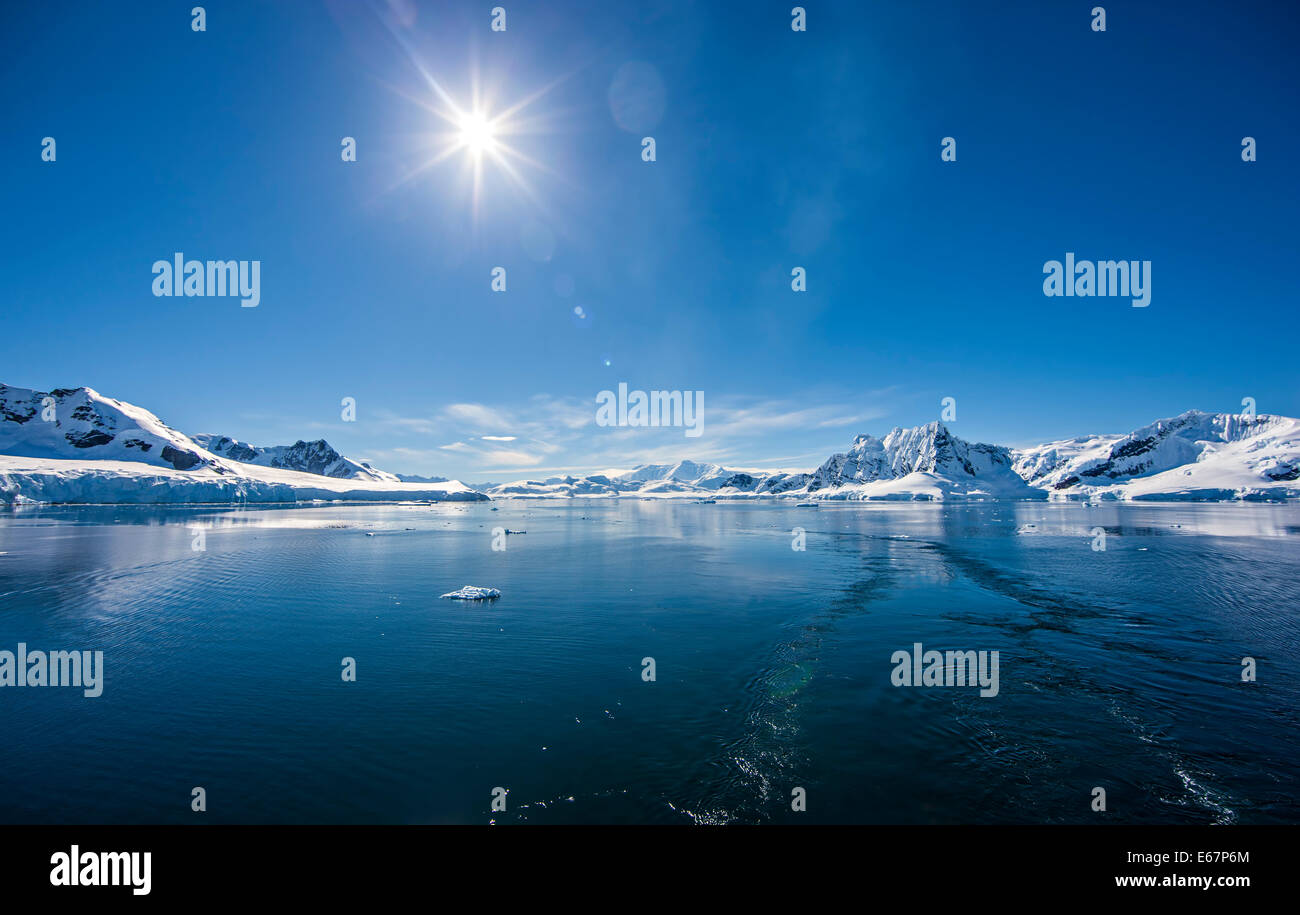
(1037, 465)
(562, 488)
(1195, 456)
(307, 457)
(683, 478)
(926, 462)
(413, 477)
(1192, 456)
(76, 445)
(691, 473)
(764, 484)
(82, 424)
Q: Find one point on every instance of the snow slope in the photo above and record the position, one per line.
(569, 487)
(308, 457)
(82, 424)
(689, 473)
(1193, 456)
(754, 484)
(923, 463)
(76, 445)
(1039, 465)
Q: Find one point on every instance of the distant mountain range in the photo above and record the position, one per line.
(75, 445)
(1195, 456)
(306, 457)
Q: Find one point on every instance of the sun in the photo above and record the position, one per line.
(482, 136)
(476, 133)
(492, 143)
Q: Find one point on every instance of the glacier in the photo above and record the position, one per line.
(24, 480)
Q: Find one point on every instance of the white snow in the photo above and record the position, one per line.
(1191, 457)
(75, 445)
(82, 424)
(921, 464)
(310, 457)
(688, 473)
(1195, 457)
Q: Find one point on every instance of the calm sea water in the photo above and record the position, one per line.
(1118, 669)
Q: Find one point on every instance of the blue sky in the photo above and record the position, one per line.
(775, 149)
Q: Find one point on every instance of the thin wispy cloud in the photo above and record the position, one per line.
(552, 435)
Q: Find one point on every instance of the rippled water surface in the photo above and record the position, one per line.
(1118, 668)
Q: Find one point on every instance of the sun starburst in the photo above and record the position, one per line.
(478, 135)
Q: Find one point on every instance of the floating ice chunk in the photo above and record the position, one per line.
(471, 592)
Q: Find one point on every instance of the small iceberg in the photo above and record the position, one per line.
(806, 505)
(706, 501)
(470, 592)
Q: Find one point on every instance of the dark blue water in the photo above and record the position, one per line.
(1118, 669)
